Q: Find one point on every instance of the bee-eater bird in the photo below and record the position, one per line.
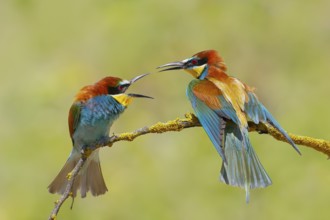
(91, 115)
(224, 105)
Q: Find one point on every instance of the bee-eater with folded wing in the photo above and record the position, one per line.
(224, 105)
(91, 115)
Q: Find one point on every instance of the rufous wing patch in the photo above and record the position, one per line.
(234, 93)
(74, 116)
(208, 93)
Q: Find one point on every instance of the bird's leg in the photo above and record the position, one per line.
(261, 128)
(262, 132)
(102, 141)
(111, 140)
(88, 149)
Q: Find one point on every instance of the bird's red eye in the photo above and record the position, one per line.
(120, 88)
(194, 62)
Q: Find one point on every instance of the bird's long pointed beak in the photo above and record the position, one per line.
(137, 78)
(171, 66)
(133, 81)
(139, 96)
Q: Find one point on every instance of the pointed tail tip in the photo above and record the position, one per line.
(247, 193)
(296, 148)
(300, 154)
(247, 197)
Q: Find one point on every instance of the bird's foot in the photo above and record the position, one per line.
(88, 149)
(99, 143)
(102, 142)
(262, 132)
(86, 152)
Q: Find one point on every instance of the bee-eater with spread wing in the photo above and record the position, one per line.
(91, 115)
(224, 105)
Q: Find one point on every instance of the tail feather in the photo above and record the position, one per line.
(89, 178)
(94, 173)
(243, 168)
(60, 182)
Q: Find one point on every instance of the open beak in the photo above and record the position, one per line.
(172, 66)
(137, 78)
(133, 81)
(139, 96)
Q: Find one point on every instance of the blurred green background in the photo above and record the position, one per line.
(50, 49)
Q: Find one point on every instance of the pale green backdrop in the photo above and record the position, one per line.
(50, 49)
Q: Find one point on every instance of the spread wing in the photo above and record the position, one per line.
(257, 112)
(254, 109)
(212, 110)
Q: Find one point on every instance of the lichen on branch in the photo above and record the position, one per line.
(178, 124)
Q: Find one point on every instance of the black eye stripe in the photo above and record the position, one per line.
(202, 61)
(117, 90)
(198, 62)
(113, 90)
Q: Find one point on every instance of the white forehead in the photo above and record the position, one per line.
(124, 82)
(186, 60)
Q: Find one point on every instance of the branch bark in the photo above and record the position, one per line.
(178, 124)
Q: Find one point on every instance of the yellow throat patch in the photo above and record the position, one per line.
(196, 71)
(123, 99)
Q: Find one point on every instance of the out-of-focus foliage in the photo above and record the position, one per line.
(50, 49)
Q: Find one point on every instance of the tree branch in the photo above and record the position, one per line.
(189, 121)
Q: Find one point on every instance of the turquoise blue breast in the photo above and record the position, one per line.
(96, 118)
